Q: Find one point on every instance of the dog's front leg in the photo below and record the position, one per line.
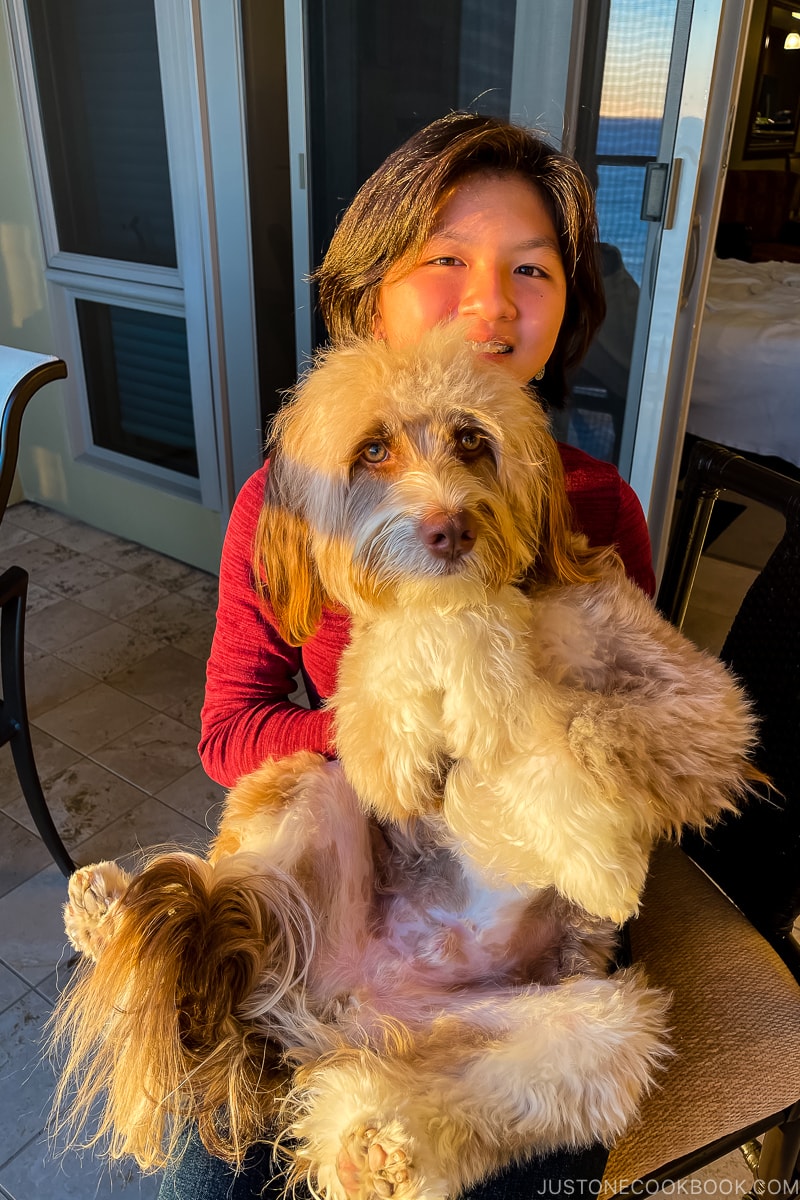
(541, 818)
(388, 730)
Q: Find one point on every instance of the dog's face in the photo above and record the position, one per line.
(418, 475)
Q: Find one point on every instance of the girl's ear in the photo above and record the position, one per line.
(286, 577)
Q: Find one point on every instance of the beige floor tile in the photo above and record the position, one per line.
(152, 825)
(35, 517)
(43, 1171)
(61, 625)
(12, 988)
(152, 755)
(86, 539)
(12, 535)
(25, 1080)
(197, 642)
(40, 555)
(707, 630)
(167, 572)
(172, 616)
(111, 648)
(49, 681)
(22, 854)
(82, 799)
(121, 595)
(187, 709)
(73, 578)
(205, 591)
(128, 556)
(51, 757)
(38, 598)
(720, 586)
(93, 718)
(31, 653)
(728, 1176)
(163, 679)
(196, 796)
(34, 941)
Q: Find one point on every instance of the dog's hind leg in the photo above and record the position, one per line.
(497, 1078)
(355, 1127)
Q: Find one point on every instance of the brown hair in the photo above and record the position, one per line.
(395, 211)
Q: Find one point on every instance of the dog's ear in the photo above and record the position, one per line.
(286, 576)
(565, 557)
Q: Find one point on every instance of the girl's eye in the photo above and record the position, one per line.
(444, 260)
(531, 270)
(375, 452)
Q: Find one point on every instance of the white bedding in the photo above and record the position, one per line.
(746, 390)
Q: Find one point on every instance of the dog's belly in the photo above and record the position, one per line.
(481, 935)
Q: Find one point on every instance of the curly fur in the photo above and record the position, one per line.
(402, 958)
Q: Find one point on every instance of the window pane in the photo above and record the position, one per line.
(137, 379)
(99, 86)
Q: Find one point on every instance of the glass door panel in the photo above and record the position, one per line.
(378, 72)
(622, 125)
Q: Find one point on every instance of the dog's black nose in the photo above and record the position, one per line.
(448, 535)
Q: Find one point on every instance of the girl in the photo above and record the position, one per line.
(471, 218)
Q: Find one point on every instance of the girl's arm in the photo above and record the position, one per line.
(247, 716)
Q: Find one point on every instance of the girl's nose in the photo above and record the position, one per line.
(488, 294)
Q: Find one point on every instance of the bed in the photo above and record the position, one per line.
(746, 390)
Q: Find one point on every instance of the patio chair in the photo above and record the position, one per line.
(21, 376)
(717, 912)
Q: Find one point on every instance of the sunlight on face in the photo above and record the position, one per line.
(494, 261)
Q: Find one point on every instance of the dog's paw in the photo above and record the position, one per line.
(88, 914)
(375, 1162)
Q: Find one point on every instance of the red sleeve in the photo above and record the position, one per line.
(608, 511)
(632, 539)
(247, 716)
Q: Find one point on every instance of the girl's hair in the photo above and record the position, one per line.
(394, 213)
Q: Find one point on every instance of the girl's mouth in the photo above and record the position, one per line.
(495, 346)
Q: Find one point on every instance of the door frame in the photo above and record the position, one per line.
(706, 116)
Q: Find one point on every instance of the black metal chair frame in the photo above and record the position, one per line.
(713, 469)
(14, 724)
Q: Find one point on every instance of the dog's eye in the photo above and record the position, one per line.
(375, 452)
(470, 442)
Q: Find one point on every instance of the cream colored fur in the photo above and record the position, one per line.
(403, 959)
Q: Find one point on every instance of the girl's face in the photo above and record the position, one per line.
(492, 260)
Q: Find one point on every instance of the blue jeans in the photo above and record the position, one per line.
(199, 1176)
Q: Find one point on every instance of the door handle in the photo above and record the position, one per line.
(692, 259)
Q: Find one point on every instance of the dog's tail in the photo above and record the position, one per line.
(180, 1017)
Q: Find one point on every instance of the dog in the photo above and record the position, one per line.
(399, 962)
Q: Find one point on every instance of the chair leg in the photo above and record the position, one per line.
(778, 1160)
(15, 726)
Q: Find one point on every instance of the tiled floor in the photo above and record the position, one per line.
(117, 638)
(116, 643)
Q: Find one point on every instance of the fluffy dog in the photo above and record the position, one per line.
(400, 960)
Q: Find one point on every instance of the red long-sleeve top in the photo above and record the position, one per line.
(247, 715)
